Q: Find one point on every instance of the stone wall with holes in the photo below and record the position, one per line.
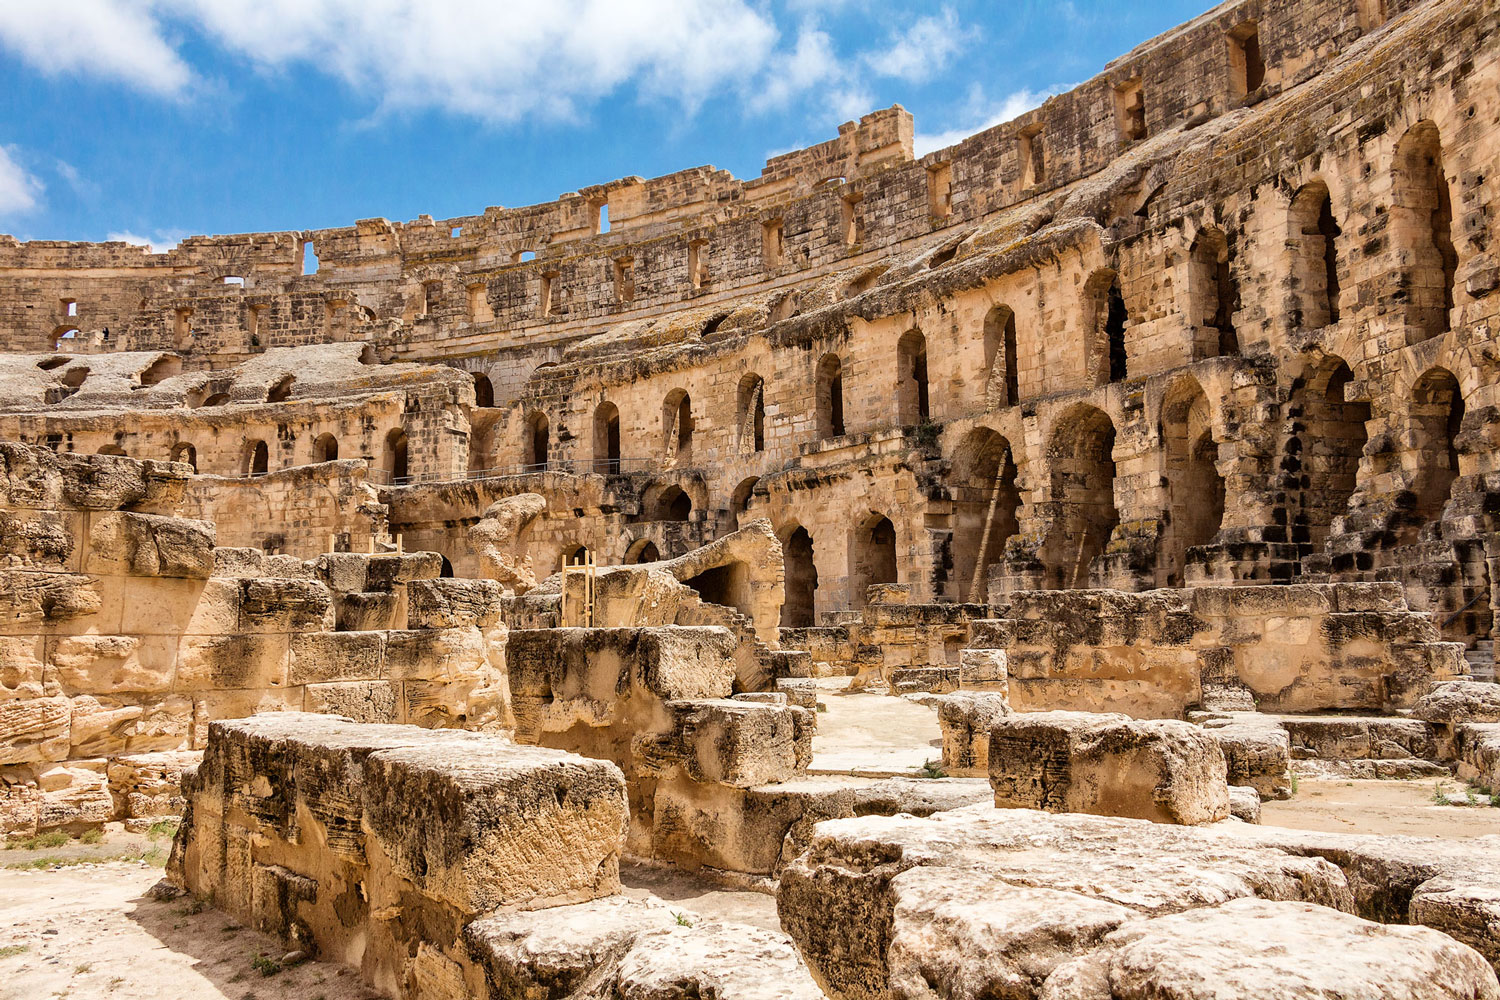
(302, 512)
(125, 630)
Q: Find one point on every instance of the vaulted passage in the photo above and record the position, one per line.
(1421, 226)
(1002, 375)
(1436, 414)
(911, 378)
(801, 580)
(1213, 295)
(1325, 438)
(830, 396)
(607, 439)
(985, 501)
(752, 413)
(1081, 456)
(1195, 490)
(537, 443)
(677, 426)
(872, 556)
(1315, 261)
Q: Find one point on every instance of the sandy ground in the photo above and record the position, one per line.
(1381, 807)
(872, 734)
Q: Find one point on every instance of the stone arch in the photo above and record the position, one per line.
(1080, 457)
(484, 390)
(1421, 227)
(1195, 490)
(801, 577)
(739, 501)
(162, 368)
(397, 459)
(111, 449)
(1315, 265)
(751, 411)
(1002, 379)
(536, 442)
(872, 556)
(666, 502)
(1105, 322)
(1435, 413)
(677, 425)
(257, 460)
(1324, 441)
(325, 448)
(830, 396)
(985, 503)
(1213, 294)
(912, 402)
(183, 451)
(281, 391)
(642, 550)
(607, 438)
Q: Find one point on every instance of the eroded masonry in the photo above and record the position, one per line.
(1148, 443)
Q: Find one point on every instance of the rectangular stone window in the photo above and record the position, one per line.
(1032, 156)
(851, 219)
(772, 244)
(698, 263)
(600, 212)
(70, 307)
(432, 296)
(1247, 70)
(624, 279)
(1130, 110)
(479, 303)
(545, 303)
(940, 190)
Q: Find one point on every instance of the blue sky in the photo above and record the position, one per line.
(154, 119)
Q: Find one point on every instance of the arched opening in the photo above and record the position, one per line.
(396, 456)
(911, 378)
(642, 550)
(751, 407)
(217, 399)
(985, 501)
(1437, 413)
(1081, 457)
(607, 439)
(1105, 322)
(830, 396)
(1325, 439)
(872, 557)
(325, 448)
(801, 580)
(111, 449)
(183, 451)
(1213, 295)
(281, 391)
(484, 390)
(667, 503)
(1315, 233)
(677, 425)
(446, 571)
(727, 586)
(1195, 490)
(576, 555)
(1002, 380)
(739, 502)
(163, 367)
(257, 458)
(535, 444)
(1421, 225)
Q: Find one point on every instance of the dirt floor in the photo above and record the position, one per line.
(1379, 807)
(88, 930)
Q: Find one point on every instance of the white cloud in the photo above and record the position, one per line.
(982, 114)
(110, 39)
(160, 241)
(923, 48)
(20, 192)
(811, 61)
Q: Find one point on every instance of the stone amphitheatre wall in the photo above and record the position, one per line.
(1223, 314)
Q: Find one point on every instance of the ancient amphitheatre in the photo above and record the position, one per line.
(1057, 566)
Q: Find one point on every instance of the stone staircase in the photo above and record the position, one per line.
(1481, 657)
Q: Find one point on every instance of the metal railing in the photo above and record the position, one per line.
(575, 467)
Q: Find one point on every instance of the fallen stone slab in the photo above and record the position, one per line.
(1257, 751)
(1454, 702)
(965, 720)
(1162, 770)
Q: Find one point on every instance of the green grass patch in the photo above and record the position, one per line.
(162, 829)
(37, 841)
(12, 950)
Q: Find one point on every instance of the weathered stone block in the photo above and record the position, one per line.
(965, 720)
(450, 603)
(362, 701)
(285, 605)
(36, 729)
(1161, 770)
(730, 742)
(336, 656)
(131, 544)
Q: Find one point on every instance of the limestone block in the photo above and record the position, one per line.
(232, 661)
(285, 605)
(888, 593)
(239, 563)
(849, 896)
(149, 785)
(1244, 803)
(102, 482)
(19, 799)
(29, 601)
(42, 539)
(799, 691)
(387, 569)
(216, 608)
(965, 720)
(362, 701)
(714, 960)
(1257, 752)
(983, 669)
(1256, 947)
(1463, 907)
(602, 664)
(36, 729)
(210, 706)
(440, 655)
(344, 572)
(1360, 738)
(112, 663)
(439, 704)
(22, 669)
(1476, 745)
(731, 742)
(74, 793)
(336, 656)
(287, 567)
(1162, 770)
(451, 603)
(1454, 702)
(915, 680)
(366, 611)
(130, 544)
(162, 606)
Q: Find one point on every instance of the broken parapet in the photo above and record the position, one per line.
(655, 701)
(374, 846)
(1110, 765)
